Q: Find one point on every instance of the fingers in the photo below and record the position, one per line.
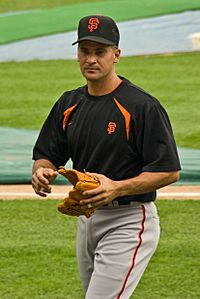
(40, 188)
(41, 192)
(97, 197)
(41, 180)
(103, 194)
(94, 202)
(46, 175)
(93, 192)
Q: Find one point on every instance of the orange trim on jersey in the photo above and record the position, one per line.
(67, 114)
(127, 117)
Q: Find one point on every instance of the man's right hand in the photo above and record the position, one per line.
(41, 180)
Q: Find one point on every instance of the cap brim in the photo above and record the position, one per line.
(95, 39)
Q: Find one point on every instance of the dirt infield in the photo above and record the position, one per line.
(9, 192)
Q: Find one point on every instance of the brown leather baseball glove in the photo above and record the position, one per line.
(81, 182)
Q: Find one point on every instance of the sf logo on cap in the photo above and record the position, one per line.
(93, 24)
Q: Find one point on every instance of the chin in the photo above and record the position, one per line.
(92, 77)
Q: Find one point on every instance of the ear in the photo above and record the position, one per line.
(117, 55)
(77, 54)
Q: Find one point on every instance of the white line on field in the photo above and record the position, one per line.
(27, 194)
(62, 195)
(161, 194)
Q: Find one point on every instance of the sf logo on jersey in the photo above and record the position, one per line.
(111, 127)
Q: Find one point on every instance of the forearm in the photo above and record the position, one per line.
(146, 182)
(141, 184)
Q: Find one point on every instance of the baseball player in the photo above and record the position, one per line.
(122, 135)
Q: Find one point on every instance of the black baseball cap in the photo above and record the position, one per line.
(98, 28)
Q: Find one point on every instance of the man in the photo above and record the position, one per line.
(122, 135)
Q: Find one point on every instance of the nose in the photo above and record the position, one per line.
(91, 59)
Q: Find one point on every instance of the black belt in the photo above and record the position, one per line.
(116, 203)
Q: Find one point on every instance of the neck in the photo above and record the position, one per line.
(100, 88)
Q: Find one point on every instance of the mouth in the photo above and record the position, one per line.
(90, 69)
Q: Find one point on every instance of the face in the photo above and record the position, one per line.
(97, 60)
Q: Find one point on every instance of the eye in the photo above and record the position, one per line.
(100, 52)
(84, 51)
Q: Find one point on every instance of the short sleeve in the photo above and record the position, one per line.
(52, 140)
(156, 141)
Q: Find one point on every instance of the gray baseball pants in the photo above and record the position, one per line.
(114, 247)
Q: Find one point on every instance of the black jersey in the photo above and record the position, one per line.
(120, 134)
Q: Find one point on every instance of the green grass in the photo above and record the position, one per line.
(174, 80)
(37, 256)
(16, 5)
(37, 253)
(29, 89)
(173, 272)
(65, 18)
